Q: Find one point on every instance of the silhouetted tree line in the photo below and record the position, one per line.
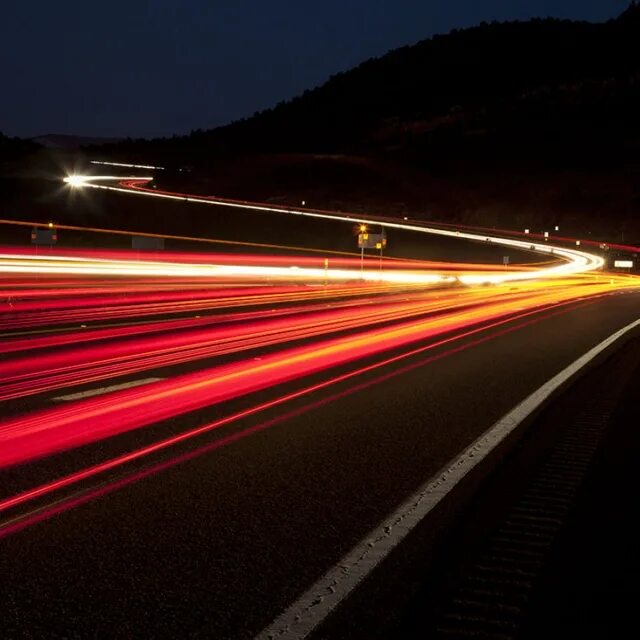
(513, 72)
(15, 147)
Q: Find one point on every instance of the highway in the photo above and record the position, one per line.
(191, 441)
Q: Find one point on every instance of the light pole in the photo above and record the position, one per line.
(363, 230)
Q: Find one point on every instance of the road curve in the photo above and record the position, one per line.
(188, 444)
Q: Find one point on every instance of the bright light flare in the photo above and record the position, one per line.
(77, 180)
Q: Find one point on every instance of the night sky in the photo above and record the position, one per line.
(149, 68)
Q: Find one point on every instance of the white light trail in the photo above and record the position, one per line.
(124, 164)
(576, 261)
(78, 180)
(61, 264)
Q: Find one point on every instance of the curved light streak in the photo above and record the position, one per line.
(523, 319)
(56, 429)
(302, 331)
(576, 261)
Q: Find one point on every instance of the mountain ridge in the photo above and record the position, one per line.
(468, 70)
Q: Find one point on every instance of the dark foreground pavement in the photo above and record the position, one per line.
(551, 547)
(590, 587)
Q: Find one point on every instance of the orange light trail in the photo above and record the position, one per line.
(523, 319)
(252, 324)
(27, 375)
(84, 421)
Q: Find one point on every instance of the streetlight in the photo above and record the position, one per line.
(363, 230)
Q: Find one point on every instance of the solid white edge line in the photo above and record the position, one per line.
(313, 607)
(102, 390)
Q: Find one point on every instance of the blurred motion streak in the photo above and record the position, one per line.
(219, 327)
(62, 427)
(46, 511)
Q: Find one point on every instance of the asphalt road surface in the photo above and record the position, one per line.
(219, 544)
(185, 460)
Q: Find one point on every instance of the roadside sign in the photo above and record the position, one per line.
(44, 235)
(505, 260)
(623, 264)
(372, 240)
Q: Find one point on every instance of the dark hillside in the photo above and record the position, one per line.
(471, 75)
(521, 124)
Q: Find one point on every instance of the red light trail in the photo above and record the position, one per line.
(81, 422)
(220, 328)
(14, 525)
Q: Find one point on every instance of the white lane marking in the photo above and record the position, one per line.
(102, 390)
(304, 615)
